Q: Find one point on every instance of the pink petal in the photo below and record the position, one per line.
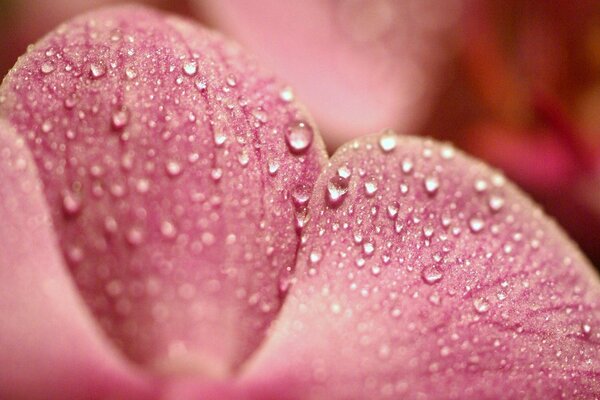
(431, 277)
(169, 160)
(51, 347)
(358, 64)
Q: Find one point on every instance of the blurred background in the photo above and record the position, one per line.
(516, 83)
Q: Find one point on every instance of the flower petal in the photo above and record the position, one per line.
(169, 159)
(358, 64)
(425, 275)
(51, 348)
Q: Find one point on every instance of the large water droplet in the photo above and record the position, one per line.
(301, 195)
(299, 137)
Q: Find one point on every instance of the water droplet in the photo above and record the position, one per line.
(314, 257)
(231, 80)
(299, 137)
(370, 188)
(368, 248)
(392, 209)
(301, 195)
(135, 236)
(476, 224)
(120, 119)
(168, 229)
(388, 140)
(130, 73)
(216, 174)
(243, 158)
(481, 305)
(173, 168)
(586, 329)
(200, 85)
(71, 203)
(495, 202)
(428, 231)
(286, 94)
(46, 126)
(219, 137)
(190, 67)
(47, 67)
(337, 188)
(407, 165)
(447, 152)
(480, 185)
(97, 70)
(273, 167)
(431, 184)
(344, 172)
(432, 275)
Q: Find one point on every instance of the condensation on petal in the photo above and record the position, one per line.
(453, 299)
(165, 161)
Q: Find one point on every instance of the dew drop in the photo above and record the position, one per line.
(431, 275)
(47, 67)
(431, 184)
(286, 94)
(481, 305)
(586, 329)
(273, 167)
(219, 137)
(495, 202)
(368, 248)
(135, 236)
(337, 188)
(370, 188)
(71, 203)
(392, 210)
(314, 257)
(476, 224)
(173, 168)
(299, 137)
(168, 230)
(190, 67)
(301, 195)
(407, 165)
(97, 70)
(388, 140)
(120, 119)
(480, 185)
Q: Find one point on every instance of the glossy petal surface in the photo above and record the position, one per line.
(424, 274)
(51, 347)
(358, 64)
(168, 160)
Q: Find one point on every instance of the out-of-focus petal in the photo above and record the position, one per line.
(424, 274)
(171, 164)
(358, 64)
(50, 345)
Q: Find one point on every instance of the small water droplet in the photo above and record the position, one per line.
(97, 70)
(173, 168)
(71, 203)
(476, 224)
(431, 184)
(388, 140)
(273, 167)
(47, 67)
(286, 94)
(120, 119)
(481, 305)
(370, 188)
(219, 137)
(586, 329)
(46, 126)
(480, 185)
(299, 137)
(431, 275)
(315, 257)
(130, 73)
(447, 152)
(495, 202)
(216, 174)
(168, 229)
(368, 248)
(135, 236)
(392, 210)
(301, 195)
(407, 165)
(344, 172)
(190, 67)
(231, 80)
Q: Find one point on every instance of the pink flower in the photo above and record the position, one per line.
(171, 228)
